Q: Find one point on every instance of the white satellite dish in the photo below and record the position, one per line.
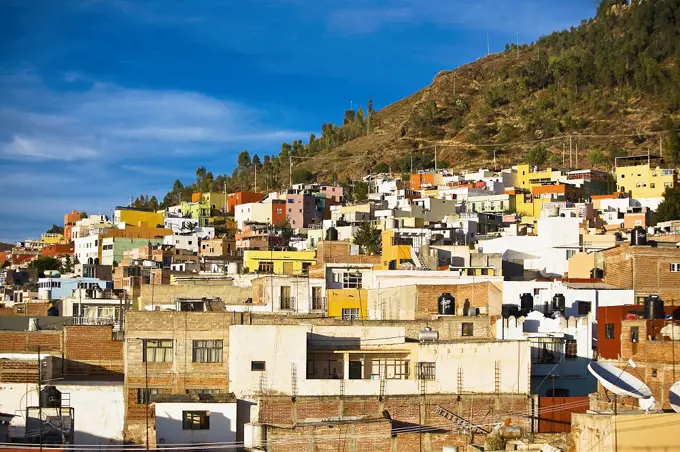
(648, 404)
(674, 396)
(618, 381)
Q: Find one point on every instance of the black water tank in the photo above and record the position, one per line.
(638, 236)
(546, 308)
(510, 310)
(50, 397)
(53, 311)
(526, 302)
(654, 308)
(597, 273)
(446, 304)
(559, 303)
(332, 234)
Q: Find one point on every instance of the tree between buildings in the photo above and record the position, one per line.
(369, 238)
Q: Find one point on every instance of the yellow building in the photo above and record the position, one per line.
(394, 252)
(347, 304)
(278, 262)
(51, 238)
(527, 178)
(642, 177)
(216, 200)
(139, 218)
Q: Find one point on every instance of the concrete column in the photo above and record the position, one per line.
(345, 366)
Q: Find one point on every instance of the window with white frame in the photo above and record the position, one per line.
(195, 420)
(675, 268)
(351, 280)
(207, 351)
(350, 313)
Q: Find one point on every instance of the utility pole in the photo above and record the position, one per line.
(40, 419)
(435, 158)
(563, 147)
(660, 147)
(290, 169)
(517, 45)
(494, 159)
(255, 177)
(454, 84)
(411, 164)
(488, 45)
(569, 151)
(576, 156)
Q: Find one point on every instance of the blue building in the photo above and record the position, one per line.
(55, 287)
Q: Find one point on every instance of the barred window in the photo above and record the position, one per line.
(144, 395)
(265, 267)
(195, 420)
(609, 331)
(545, 350)
(426, 371)
(570, 349)
(351, 280)
(203, 391)
(350, 313)
(207, 351)
(317, 299)
(467, 329)
(158, 350)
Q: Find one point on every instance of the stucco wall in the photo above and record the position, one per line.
(169, 423)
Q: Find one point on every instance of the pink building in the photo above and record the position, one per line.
(300, 210)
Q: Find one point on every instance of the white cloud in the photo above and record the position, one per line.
(111, 122)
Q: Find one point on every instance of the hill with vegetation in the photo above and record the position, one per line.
(610, 87)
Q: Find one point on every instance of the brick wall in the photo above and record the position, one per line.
(91, 350)
(29, 341)
(374, 435)
(476, 294)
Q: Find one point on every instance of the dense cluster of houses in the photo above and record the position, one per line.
(260, 321)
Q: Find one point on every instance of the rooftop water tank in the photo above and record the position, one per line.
(446, 304)
(428, 335)
(654, 308)
(526, 302)
(50, 397)
(332, 234)
(558, 302)
(638, 236)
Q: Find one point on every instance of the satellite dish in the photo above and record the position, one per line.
(674, 396)
(619, 382)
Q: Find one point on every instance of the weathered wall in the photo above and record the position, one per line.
(167, 294)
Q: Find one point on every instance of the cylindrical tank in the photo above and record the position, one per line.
(53, 311)
(597, 273)
(32, 324)
(472, 312)
(446, 304)
(332, 234)
(527, 302)
(450, 449)
(510, 310)
(558, 302)
(428, 335)
(546, 308)
(50, 397)
(232, 268)
(638, 236)
(653, 308)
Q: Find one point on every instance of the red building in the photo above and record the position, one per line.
(57, 250)
(242, 197)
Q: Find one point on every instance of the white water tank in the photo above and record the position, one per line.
(450, 449)
(32, 324)
(428, 335)
(232, 268)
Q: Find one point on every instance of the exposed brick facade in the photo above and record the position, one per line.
(374, 435)
(476, 295)
(645, 269)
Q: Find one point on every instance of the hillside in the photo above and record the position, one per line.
(612, 85)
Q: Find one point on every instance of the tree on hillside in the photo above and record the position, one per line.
(596, 157)
(301, 176)
(83, 215)
(669, 209)
(381, 168)
(256, 162)
(537, 156)
(360, 192)
(349, 117)
(673, 140)
(243, 161)
(368, 237)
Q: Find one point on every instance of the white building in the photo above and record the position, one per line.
(558, 239)
(186, 241)
(86, 249)
(308, 360)
(180, 224)
(195, 419)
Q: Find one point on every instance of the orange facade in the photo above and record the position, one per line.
(196, 197)
(278, 212)
(242, 197)
(420, 179)
(70, 220)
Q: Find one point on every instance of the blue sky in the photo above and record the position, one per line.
(105, 99)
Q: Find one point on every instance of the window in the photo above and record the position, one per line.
(426, 371)
(195, 420)
(654, 373)
(635, 334)
(207, 351)
(652, 185)
(537, 292)
(317, 299)
(675, 268)
(350, 313)
(571, 349)
(667, 184)
(158, 350)
(203, 391)
(609, 331)
(144, 395)
(545, 350)
(265, 267)
(286, 300)
(258, 366)
(351, 280)
(570, 253)
(467, 329)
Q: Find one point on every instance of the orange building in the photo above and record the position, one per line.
(242, 197)
(196, 197)
(57, 250)
(70, 220)
(421, 179)
(278, 211)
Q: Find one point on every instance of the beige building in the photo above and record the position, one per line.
(217, 247)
